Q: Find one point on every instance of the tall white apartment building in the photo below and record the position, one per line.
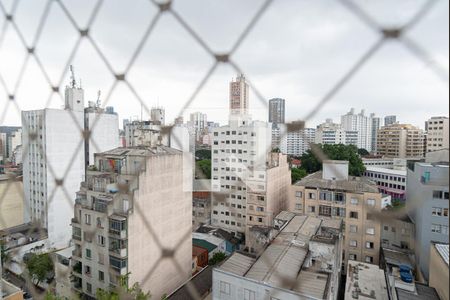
(54, 165)
(131, 216)
(330, 133)
(362, 124)
(437, 134)
(56, 159)
(199, 124)
(250, 185)
(104, 130)
(298, 142)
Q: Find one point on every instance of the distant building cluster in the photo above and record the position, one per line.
(126, 207)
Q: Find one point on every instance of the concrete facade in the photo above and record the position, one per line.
(330, 133)
(390, 182)
(362, 124)
(55, 144)
(277, 111)
(354, 200)
(133, 189)
(428, 207)
(437, 134)
(439, 270)
(401, 141)
(12, 202)
(298, 142)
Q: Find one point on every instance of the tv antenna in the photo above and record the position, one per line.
(99, 93)
(73, 82)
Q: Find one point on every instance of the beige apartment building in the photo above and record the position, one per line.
(437, 134)
(131, 219)
(334, 194)
(11, 202)
(401, 141)
(439, 269)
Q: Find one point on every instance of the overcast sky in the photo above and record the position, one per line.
(298, 50)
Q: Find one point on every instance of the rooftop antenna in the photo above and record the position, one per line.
(99, 93)
(73, 82)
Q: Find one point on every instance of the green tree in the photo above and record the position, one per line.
(51, 296)
(203, 154)
(123, 292)
(311, 163)
(39, 266)
(217, 258)
(297, 174)
(203, 169)
(363, 152)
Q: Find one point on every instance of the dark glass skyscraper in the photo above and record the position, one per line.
(277, 111)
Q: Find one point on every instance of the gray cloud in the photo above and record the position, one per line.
(297, 51)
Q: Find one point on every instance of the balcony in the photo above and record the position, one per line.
(75, 221)
(120, 234)
(122, 253)
(76, 253)
(76, 268)
(76, 237)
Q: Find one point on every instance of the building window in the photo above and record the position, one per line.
(436, 211)
(353, 243)
(87, 219)
(352, 256)
(385, 243)
(101, 276)
(369, 259)
(325, 210)
(298, 194)
(371, 202)
(101, 240)
(225, 288)
(88, 254)
(249, 295)
(370, 231)
(298, 206)
(89, 287)
(369, 245)
(312, 196)
(87, 270)
(311, 209)
(353, 228)
(386, 228)
(354, 215)
(354, 201)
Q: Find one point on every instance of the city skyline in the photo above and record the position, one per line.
(393, 82)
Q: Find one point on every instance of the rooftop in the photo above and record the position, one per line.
(443, 251)
(280, 265)
(8, 289)
(201, 283)
(387, 171)
(423, 293)
(365, 281)
(139, 151)
(204, 244)
(353, 184)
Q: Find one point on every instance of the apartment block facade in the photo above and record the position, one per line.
(362, 124)
(130, 216)
(333, 194)
(401, 141)
(250, 184)
(428, 207)
(389, 181)
(277, 111)
(298, 142)
(57, 155)
(330, 133)
(437, 134)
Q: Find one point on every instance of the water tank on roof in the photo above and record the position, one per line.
(405, 268)
(406, 277)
